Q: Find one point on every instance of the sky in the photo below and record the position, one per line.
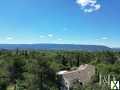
(93, 22)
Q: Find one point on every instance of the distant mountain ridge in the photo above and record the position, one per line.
(116, 49)
(57, 47)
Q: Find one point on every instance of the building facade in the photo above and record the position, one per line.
(81, 75)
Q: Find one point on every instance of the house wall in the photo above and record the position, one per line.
(81, 75)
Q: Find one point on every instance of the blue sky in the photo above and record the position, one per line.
(60, 21)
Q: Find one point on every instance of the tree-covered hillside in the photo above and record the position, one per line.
(36, 70)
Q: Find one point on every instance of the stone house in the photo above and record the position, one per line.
(81, 75)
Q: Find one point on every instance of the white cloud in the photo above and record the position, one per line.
(42, 36)
(104, 38)
(9, 38)
(60, 39)
(50, 35)
(88, 5)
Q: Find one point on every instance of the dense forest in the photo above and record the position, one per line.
(36, 70)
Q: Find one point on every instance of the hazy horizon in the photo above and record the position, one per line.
(55, 43)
